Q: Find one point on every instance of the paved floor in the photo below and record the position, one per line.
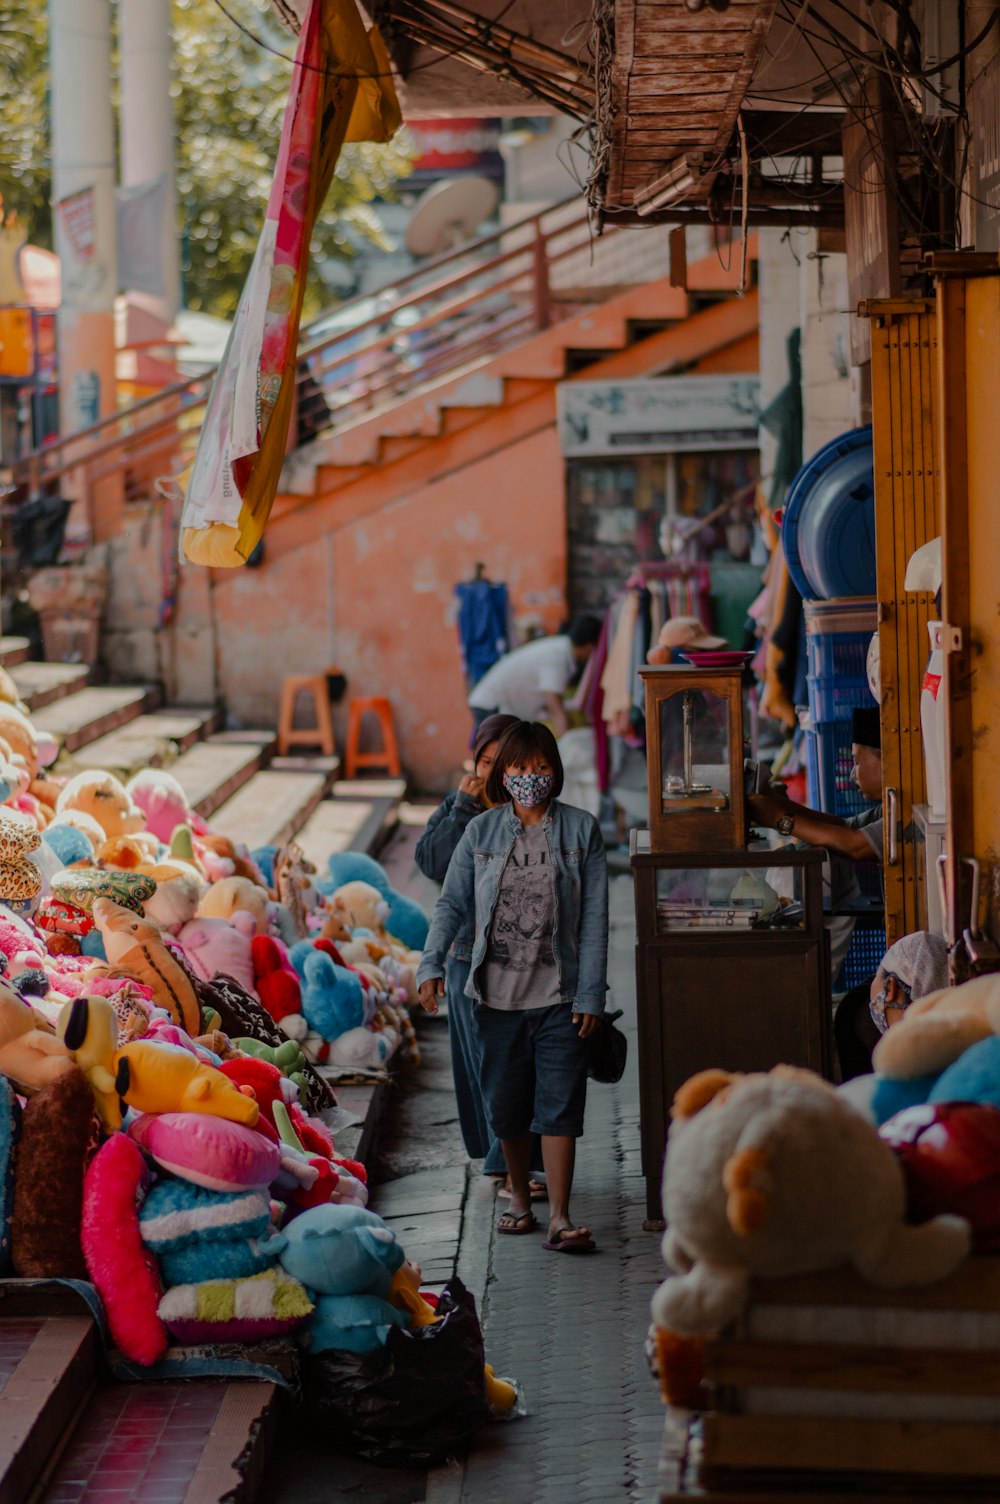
(570, 1329)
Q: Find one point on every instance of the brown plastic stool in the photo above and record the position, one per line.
(321, 734)
(387, 759)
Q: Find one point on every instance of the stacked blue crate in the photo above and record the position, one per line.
(837, 637)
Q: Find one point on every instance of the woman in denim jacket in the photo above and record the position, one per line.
(533, 873)
(434, 852)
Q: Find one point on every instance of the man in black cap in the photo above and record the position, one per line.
(859, 838)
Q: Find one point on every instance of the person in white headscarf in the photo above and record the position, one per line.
(910, 969)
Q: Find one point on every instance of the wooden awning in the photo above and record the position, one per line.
(670, 100)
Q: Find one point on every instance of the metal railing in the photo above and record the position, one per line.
(447, 315)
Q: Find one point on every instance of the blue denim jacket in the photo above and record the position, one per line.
(580, 938)
(436, 847)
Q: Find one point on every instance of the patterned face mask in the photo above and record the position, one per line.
(529, 790)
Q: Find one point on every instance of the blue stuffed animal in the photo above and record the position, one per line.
(407, 922)
(352, 1323)
(341, 1250)
(354, 867)
(198, 1234)
(333, 999)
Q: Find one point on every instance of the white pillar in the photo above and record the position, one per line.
(147, 125)
(83, 206)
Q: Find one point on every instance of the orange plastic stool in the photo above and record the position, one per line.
(321, 734)
(387, 759)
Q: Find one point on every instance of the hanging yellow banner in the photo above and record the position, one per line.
(341, 91)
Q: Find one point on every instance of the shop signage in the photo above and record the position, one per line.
(664, 415)
(454, 148)
(77, 215)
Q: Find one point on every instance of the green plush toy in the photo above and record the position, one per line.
(287, 1057)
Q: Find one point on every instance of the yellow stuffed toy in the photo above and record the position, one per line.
(88, 1027)
(155, 1078)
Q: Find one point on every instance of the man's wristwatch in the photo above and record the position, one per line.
(784, 824)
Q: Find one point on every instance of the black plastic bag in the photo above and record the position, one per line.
(608, 1050)
(418, 1401)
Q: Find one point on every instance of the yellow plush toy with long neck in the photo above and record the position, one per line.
(404, 1294)
(88, 1027)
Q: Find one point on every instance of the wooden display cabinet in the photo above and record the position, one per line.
(720, 984)
(694, 732)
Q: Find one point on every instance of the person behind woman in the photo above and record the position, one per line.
(435, 849)
(533, 873)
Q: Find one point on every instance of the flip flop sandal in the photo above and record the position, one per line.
(538, 1189)
(565, 1242)
(516, 1224)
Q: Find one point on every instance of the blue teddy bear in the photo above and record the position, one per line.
(346, 1257)
(333, 999)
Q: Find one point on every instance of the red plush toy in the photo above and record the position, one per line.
(264, 1080)
(276, 979)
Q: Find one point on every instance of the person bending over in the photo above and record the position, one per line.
(531, 681)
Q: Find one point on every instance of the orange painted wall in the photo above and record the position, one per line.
(363, 577)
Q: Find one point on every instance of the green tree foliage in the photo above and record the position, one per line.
(24, 128)
(229, 98)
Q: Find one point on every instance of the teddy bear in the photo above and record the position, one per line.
(776, 1174)
(102, 795)
(332, 997)
(232, 895)
(346, 1257)
(162, 802)
(220, 857)
(361, 907)
(30, 1054)
(135, 945)
(405, 920)
(212, 946)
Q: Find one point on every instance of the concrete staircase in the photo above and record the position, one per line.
(232, 778)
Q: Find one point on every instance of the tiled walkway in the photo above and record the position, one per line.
(570, 1329)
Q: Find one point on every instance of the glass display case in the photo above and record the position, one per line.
(732, 971)
(695, 751)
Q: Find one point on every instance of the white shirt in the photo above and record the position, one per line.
(521, 682)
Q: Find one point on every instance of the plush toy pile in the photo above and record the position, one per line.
(173, 1008)
(779, 1174)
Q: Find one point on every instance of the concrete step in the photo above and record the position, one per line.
(272, 807)
(41, 684)
(14, 650)
(212, 771)
(193, 1442)
(150, 741)
(47, 1370)
(81, 718)
(347, 824)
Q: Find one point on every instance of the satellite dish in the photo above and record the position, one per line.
(449, 214)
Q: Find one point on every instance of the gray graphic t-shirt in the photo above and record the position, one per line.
(520, 961)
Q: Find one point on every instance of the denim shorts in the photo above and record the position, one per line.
(533, 1070)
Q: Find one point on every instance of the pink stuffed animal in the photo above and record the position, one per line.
(163, 802)
(217, 945)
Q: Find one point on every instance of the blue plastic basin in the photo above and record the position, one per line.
(828, 527)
